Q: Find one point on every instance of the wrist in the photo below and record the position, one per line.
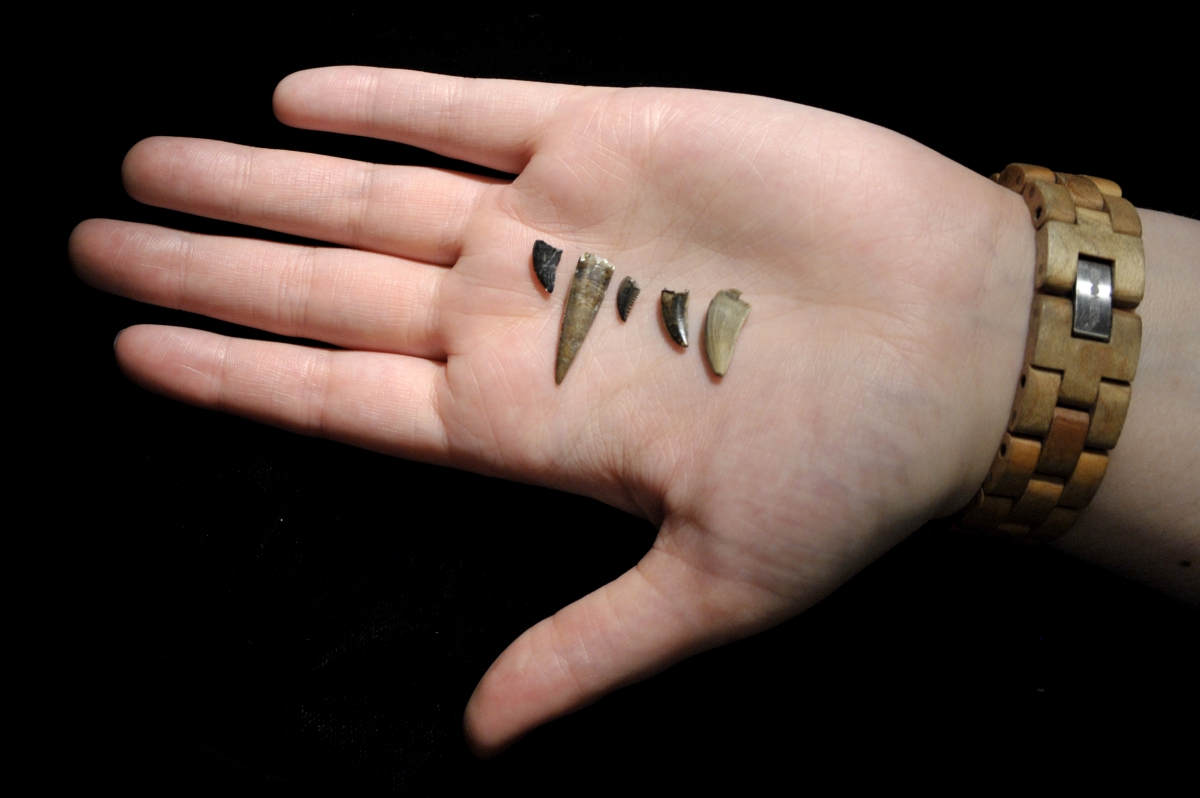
(1001, 309)
(1080, 357)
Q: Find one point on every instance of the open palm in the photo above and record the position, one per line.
(869, 386)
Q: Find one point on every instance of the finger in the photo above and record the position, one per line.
(352, 299)
(656, 614)
(383, 402)
(494, 123)
(400, 210)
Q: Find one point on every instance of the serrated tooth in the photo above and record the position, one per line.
(726, 315)
(627, 294)
(588, 286)
(545, 263)
(675, 315)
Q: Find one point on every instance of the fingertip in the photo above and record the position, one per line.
(287, 95)
(297, 97)
(124, 344)
(528, 685)
(135, 167)
(488, 722)
(86, 249)
(77, 246)
(133, 346)
(130, 336)
(478, 741)
(175, 362)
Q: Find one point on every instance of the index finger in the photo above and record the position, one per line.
(493, 123)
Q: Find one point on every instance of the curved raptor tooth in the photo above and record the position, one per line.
(588, 286)
(675, 315)
(627, 294)
(726, 315)
(545, 263)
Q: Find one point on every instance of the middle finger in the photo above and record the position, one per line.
(352, 299)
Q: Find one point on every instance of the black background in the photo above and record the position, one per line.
(209, 602)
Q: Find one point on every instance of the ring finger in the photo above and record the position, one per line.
(412, 212)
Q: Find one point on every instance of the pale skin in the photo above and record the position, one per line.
(890, 291)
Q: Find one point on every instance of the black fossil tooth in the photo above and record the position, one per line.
(675, 315)
(726, 315)
(627, 294)
(545, 263)
(592, 276)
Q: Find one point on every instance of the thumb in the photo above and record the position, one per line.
(662, 610)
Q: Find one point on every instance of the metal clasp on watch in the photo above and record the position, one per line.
(1093, 299)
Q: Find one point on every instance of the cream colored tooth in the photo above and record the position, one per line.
(726, 315)
(675, 314)
(588, 286)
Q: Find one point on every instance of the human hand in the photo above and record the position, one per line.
(870, 385)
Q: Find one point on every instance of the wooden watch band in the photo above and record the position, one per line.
(1074, 388)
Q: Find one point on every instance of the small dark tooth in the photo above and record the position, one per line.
(675, 315)
(627, 294)
(545, 263)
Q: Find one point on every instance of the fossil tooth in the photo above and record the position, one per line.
(588, 286)
(545, 263)
(674, 310)
(726, 315)
(627, 294)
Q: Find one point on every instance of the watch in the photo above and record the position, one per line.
(1080, 357)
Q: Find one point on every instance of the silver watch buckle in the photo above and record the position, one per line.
(1093, 300)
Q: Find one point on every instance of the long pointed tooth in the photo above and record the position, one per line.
(726, 315)
(675, 315)
(588, 286)
(627, 294)
(545, 263)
